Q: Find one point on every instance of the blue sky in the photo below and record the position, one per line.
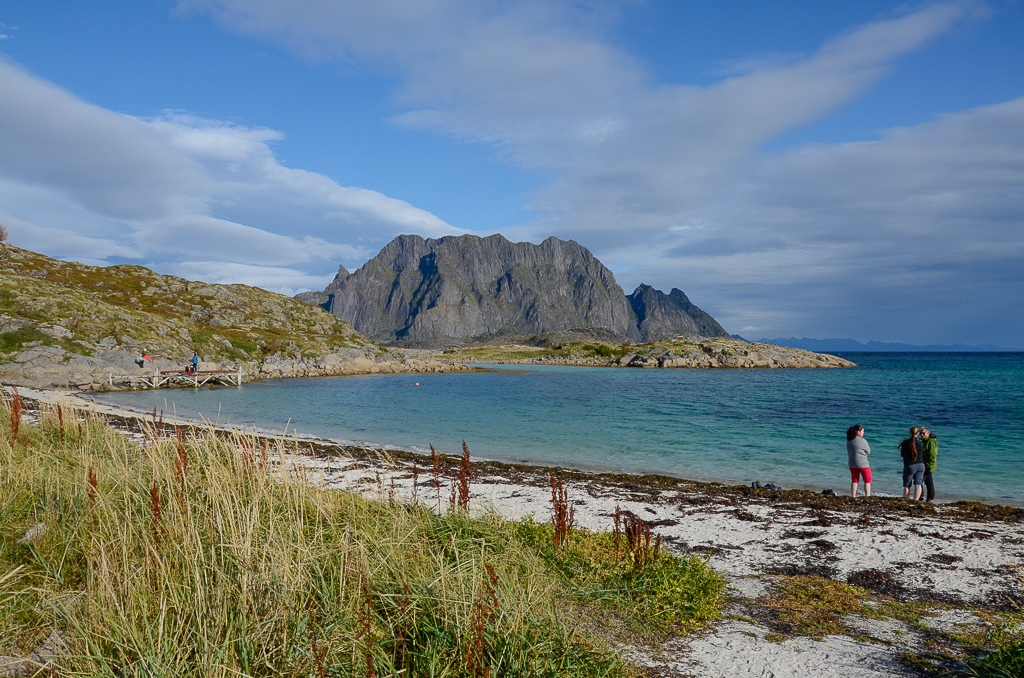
(809, 169)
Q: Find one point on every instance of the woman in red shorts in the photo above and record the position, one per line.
(858, 450)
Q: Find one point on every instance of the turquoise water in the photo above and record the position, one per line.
(781, 426)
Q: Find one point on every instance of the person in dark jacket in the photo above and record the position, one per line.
(857, 449)
(931, 455)
(912, 451)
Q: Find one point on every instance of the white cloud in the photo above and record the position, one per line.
(669, 183)
(917, 236)
(79, 181)
(283, 280)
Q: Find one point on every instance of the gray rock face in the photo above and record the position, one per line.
(666, 316)
(459, 289)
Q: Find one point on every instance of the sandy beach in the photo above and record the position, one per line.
(941, 581)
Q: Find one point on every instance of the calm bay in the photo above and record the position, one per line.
(737, 426)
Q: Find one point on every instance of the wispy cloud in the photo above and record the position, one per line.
(80, 181)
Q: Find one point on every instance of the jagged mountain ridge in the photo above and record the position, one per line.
(464, 289)
(664, 316)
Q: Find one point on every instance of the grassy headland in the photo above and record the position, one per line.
(211, 555)
(167, 315)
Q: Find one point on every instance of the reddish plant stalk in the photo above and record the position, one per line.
(318, 658)
(364, 624)
(563, 514)
(180, 469)
(15, 415)
(639, 535)
(483, 611)
(92, 495)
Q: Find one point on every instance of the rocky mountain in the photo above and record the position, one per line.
(65, 323)
(466, 289)
(666, 316)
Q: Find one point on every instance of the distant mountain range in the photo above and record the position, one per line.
(464, 289)
(840, 345)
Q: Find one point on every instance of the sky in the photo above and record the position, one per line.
(797, 168)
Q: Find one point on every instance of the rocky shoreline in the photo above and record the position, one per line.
(894, 587)
(681, 353)
(51, 366)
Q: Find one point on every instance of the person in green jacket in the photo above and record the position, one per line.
(931, 454)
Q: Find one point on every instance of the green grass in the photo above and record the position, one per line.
(13, 341)
(1006, 663)
(671, 594)
(242, 567)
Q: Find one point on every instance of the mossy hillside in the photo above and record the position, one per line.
(166, 315)
(211, 555)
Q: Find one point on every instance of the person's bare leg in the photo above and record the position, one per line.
(853, 490)
(906, 492)
(917, 493)
(867, 489)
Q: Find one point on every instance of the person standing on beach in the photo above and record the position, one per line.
(931, 454)
(912, 451)
(195, 362)
(857, 449)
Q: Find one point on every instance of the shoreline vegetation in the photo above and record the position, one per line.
(197, 553)
(156, 549)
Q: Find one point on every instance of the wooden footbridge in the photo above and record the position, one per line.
(181, 378)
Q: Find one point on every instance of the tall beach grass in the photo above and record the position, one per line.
(205, 554)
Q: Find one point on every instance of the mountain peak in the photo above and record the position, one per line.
(466, 288)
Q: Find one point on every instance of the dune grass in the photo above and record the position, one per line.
(207, 555)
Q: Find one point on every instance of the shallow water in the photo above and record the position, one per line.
(781, 426)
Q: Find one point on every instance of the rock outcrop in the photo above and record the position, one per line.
(666, 316)
(728, 353)
(466, 289)
(694, 353)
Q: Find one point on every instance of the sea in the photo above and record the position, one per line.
(781, 426)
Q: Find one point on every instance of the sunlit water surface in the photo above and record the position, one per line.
(781, 426)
